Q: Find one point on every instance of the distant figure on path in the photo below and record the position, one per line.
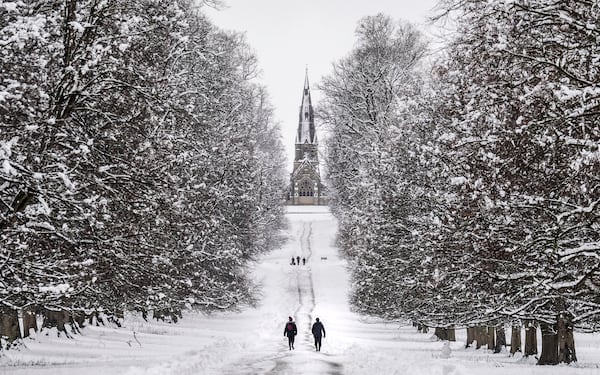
(290, 331)
(293, 261)
(317, 329)
(303, 261)
(298, 260)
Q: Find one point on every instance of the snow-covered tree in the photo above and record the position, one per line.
(133, 147)
(503, 222)
(366, 101)
(523, 151)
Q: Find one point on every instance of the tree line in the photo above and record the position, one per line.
(467, 187)
(141, 168)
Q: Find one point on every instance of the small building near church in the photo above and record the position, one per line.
(305, 181)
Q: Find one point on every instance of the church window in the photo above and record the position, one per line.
(306, 115)
(306, 189)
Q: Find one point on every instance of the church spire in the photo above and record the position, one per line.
(306, 123)
(305, 180)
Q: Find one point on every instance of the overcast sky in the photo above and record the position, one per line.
(289, 36)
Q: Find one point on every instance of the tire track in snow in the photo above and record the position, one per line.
(304, 279)
(301, 280)
(312, 284)
(303, 237)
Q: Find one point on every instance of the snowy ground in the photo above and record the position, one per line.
(252, 342)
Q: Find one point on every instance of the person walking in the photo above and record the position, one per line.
(290, 331)
(298, 260)
(317, 329)
(303, 261)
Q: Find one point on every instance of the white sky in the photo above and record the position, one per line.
(289, 36)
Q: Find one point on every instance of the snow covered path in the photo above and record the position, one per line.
(291, 290)
(299, 296)
(252, 341)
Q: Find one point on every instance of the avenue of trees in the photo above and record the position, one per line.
(140, 166)
(468, 189)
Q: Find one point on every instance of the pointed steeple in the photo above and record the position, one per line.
(305, 180)
(306, 124)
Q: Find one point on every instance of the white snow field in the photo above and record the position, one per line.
(252, 341)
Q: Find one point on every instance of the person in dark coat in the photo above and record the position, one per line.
(317, 329)
(290, 331)
(298, 260)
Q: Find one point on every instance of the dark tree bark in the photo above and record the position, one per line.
(478, 337)
(566, 342)
(448, 334)
(58, 319)
(470, 336)
(95, 319)
(530, 337)
(515, 339)
(9, 325)
(549, 355)
(500, 339)
(451, 334)
(441, 333)
(166, 315)
(481, 336)
(79, 317)
(29, 321)
(491, 344)
(570, 346)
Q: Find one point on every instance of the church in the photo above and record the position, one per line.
(305, 181)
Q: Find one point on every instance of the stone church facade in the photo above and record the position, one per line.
(305, 181)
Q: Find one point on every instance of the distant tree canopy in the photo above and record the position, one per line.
(471, 195)
(140, 167)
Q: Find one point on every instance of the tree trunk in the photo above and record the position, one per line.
(451, 334)
(441, 333)
(571, 345)
(566, 342)
(470, 336)
(58, 319)
(500, 339)
(515, 339)
(481, 336)
(549, 354)
(9, 325)
(29, 321)
(79, 317)
(490, 338)
(530, 337)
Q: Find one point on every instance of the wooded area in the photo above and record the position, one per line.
(141, 168)
(467, 186)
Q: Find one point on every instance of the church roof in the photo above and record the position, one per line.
(306, 123)
(304, 166)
